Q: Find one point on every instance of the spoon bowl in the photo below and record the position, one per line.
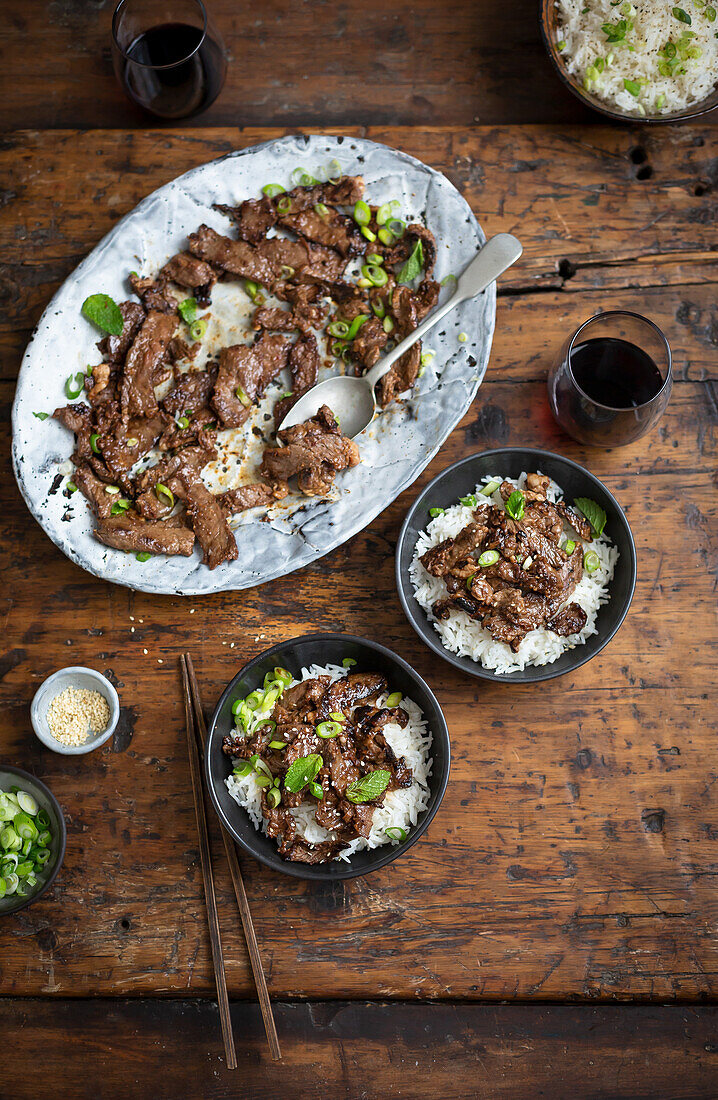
(352, 399)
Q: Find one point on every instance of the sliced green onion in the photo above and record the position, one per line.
(287, 271)
(660, 101)
(239, 392)
(327, 730)
(198, 328)
(143, 556)
(283, 675)
(591, 561)
(710, 14)
(449, 280)
(274, 797)
(120, 506)
(271, 190)
(255, 699)
(490, 489)
(71, 392)
(338, 347)
(183, 423)
(395, 832)
(334, 171)
(362, 213)
(11, 883)
(251, 288)
(384, 212)
(43, 838)
(71, 487)
(338, 328)
(9, 840)
(393, 700)
(570, 547)
(278, 745)
(386, 236)
(113, 490)
(368, 233)
(284, 205)
(375, 259)
(261, 768)
(338, 716)
(262, 780)
(348, 662)
(316, 789)
(364, 283)
(43, 818)
(378, 308)
(561, 45)
(93, 442)
(42, 856)
(489, 557)
(27, 803)
(243, 769)
(469, 501)
(433, 512)
(462, 338)
(301, 178)
(356, 325)
(388, 325)
(375, 275)
(132, 441)
(632, 86)
(321, 209)
(25, 826)
(682, 16)
(396, 227)
(163, 491)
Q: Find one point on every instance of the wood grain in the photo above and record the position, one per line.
(353, 1049)
(576, 852)
(397, 63)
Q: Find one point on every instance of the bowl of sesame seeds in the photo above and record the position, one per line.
(75, 711)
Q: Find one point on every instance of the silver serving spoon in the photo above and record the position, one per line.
(352, 399)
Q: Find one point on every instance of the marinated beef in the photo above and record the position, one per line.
(149, 347)
(403, 374)
(244, 374)
(115, 348)
(315, 451)
(304, 365)
(186, 270)
(258, 495)
(131, 532)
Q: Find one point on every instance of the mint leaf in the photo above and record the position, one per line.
(369, 786)
(594, 513)
(414, 265)
(104, 312)
(302, 771)
(188, 310)
(516, 504)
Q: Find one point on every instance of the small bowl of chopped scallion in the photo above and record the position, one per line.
(32, 839)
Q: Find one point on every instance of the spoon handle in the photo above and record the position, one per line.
(499, 253)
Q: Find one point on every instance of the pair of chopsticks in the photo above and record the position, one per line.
(196, 741)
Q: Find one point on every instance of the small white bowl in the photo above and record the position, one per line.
(74, 677)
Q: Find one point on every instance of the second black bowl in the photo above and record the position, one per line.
(459, 480)
(323, 649)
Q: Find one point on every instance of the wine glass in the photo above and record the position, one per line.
(168, 56)
(612, 381)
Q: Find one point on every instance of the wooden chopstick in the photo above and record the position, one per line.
(215, 935)
(244, 911)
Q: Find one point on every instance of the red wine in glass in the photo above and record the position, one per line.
(173, 67)
(612, 380)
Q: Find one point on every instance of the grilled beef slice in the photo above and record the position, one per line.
(131, 532)
(248, 370)
(315, 451)
(146, 353)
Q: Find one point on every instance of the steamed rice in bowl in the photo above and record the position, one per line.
(400, 810)
(464, 635)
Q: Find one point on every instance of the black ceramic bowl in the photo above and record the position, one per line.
(16, 777)
(301, 652)
(462, 478)
(550, 33)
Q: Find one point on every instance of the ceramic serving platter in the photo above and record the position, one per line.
(394, 449)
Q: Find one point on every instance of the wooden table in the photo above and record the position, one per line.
(575, 855)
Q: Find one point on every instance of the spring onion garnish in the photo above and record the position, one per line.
(393, 700)
(274, 797)
(368, 233)
(120, 506)
(71, 487)
(338, 716)
(316, 789)
(384, 213)
(516, 504)
(561, 45)
(570, 547)
(362, 213)
(682, 16)
(103, 312)
(303, 771)
(240, 393)
(262, 780)
(162, 491)
(434, 512)
(197, 329)
(388, 325)
(284, 205)
(183, 423)
(710, 14)
(24, 842)
(143, 556)
(375, 274)
(374, 258)
(301, 178)
(93, 442)
(489, 557)
(287, 272)
(338, 328)
(369, 787)
(632, 86)
(378, 308)
(396, 227)
(462, 338)
(591, 561)
(70, 390)
(338, 347)
(188, 310)
(660, 101)
(348, 662)
(271, 190)
(279, 745)
(363, 283)
(334, 171)
(113, 490)
(132, 441)
(386, 236)
(356, 325)
(615, 32)
(41, 415)
(395, 832)
(243, 769)
(469, 501)
(414, 265)
(327, 730)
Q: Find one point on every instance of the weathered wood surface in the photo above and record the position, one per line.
(406, 62)
(576, 851)
(359, 1051)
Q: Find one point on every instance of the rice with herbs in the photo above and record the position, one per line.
(649, 57)
(400, 809)
(468, 638)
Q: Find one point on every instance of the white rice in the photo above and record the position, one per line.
(654, 25)
(400, 809)
(467, 637)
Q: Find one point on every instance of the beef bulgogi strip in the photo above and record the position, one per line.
(340, 724)
(315, 451)
(529, 584)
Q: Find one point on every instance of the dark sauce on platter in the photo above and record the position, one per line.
(615, 373)
(168, 81)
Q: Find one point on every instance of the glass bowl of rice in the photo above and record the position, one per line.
(646, 61)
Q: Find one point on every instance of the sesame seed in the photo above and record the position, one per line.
(160, 661)
(132, 630)
(132, 618)
(191, 611)
(76, 713)
(145, 652)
